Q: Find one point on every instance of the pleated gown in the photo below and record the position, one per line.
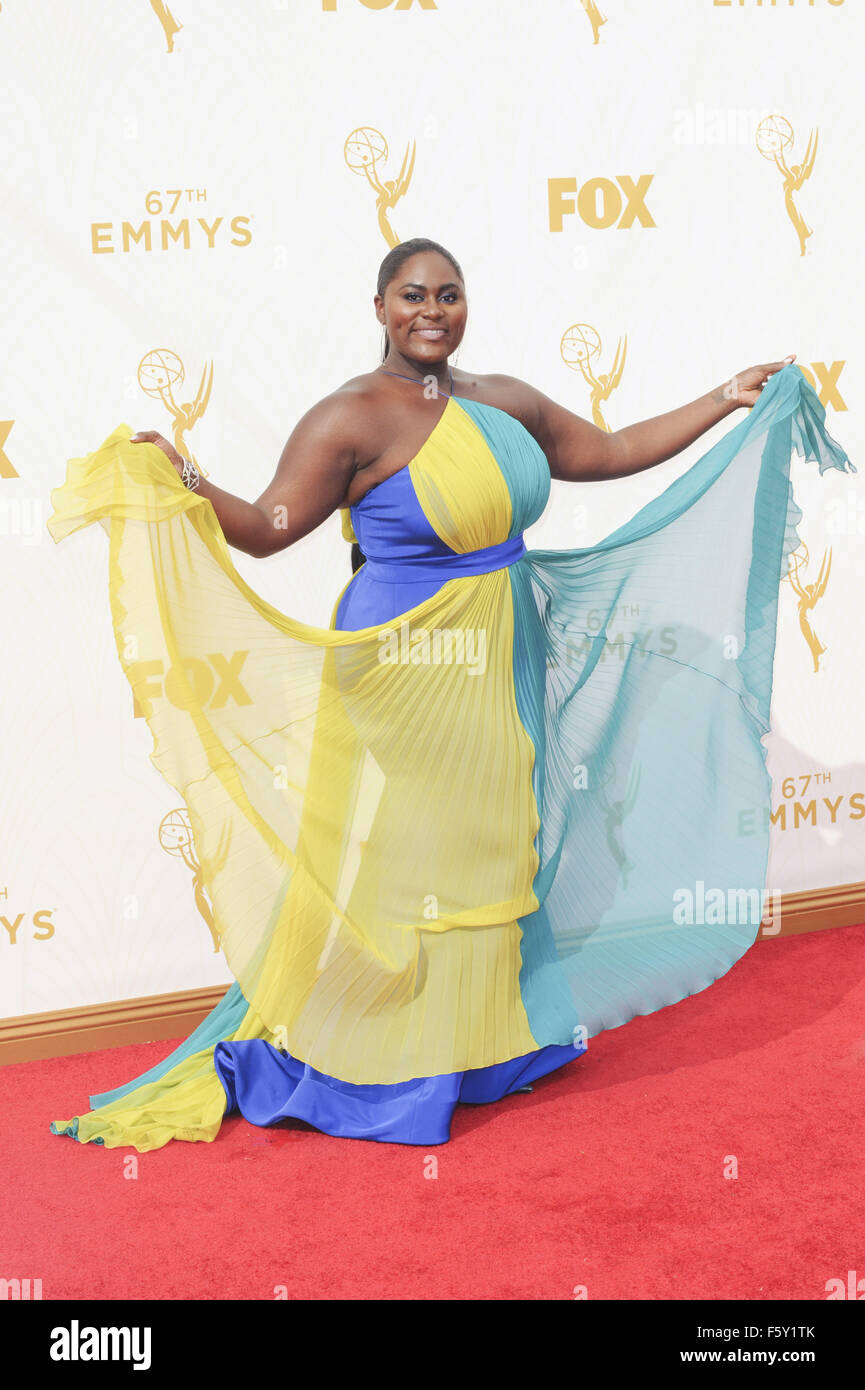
(505, 801)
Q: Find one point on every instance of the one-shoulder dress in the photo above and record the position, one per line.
(508, 799)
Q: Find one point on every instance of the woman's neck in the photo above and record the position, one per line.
(420, 371)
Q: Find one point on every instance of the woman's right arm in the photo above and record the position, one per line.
(311, 479)
(315, 468)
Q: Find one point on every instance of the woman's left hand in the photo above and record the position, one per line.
(745, 387)
(153, 437)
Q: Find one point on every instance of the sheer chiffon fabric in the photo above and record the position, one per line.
(453, 836)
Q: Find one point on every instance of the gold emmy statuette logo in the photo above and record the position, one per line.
(808, 595)
(615, 813)
(774, 137)
(580, 343)
(364, 150)
(169, 24)
(159, 372)
(7, 468)
(596, 19)
(175, 837)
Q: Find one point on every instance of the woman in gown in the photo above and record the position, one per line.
(508, 798)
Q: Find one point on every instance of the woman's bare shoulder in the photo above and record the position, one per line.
(364, 406)
(359, 390)
(507, 393)
(351, 396)
(350, 412)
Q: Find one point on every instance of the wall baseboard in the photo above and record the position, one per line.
(814, 909)
(162, 1017)
(65, 1032)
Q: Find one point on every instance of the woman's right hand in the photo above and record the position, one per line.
(151, 437)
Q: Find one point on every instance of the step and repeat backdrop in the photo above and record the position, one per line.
(645, 196)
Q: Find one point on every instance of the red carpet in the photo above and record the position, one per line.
(611, 1175)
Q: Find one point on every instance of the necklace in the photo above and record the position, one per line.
(420, 380)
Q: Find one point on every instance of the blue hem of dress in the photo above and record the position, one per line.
(266, 1086)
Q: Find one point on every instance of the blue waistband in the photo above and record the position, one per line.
(408, 570)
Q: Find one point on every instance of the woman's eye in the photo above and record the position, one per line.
(415, 294)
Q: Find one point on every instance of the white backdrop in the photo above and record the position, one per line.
(114, 118)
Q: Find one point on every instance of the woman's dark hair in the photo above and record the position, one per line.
(390, 266)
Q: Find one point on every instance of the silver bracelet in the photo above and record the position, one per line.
(190, 476)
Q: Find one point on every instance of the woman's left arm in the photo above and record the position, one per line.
(579, 451)
(654, 441)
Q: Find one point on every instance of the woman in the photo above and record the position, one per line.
(470, 824)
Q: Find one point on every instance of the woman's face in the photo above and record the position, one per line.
(424, 309)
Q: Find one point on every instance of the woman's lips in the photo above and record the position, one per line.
(431, 333)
